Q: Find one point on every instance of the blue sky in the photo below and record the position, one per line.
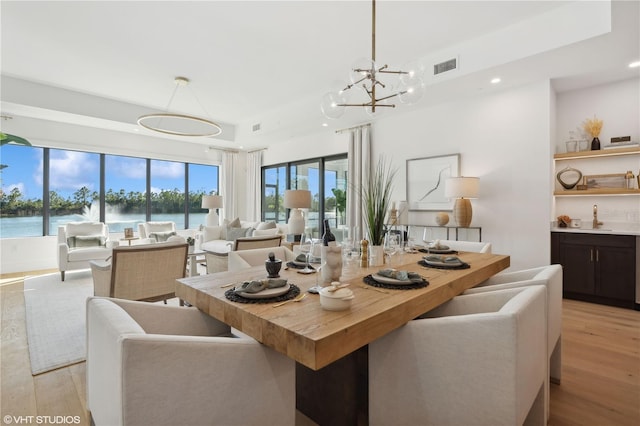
(70, 170)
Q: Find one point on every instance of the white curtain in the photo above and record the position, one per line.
(359, 157)
(254, 190)
(229, 199)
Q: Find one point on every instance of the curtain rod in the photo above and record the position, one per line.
(353, 128)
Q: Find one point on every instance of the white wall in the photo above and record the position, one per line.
(503, 138)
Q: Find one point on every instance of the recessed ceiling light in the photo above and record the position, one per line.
(635, 64)
(325, 125)
(495, 80)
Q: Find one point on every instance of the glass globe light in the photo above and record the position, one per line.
(411, 91)
(365, 66)
(332, 104)
(414, 69)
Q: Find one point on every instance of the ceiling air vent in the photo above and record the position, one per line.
(256, 127)
(445, 66)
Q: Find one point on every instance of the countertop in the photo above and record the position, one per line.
(613, 229)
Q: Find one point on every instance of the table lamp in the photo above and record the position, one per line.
(296, 199)
(462, 189)
(212, 202)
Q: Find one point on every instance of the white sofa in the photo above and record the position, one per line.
(81, 242)
(218, 241)
(150, 364)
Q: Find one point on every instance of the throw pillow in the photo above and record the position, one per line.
(235, 223)
(161, 237)
(87, 241)
(266, 225)
(263, 232)
(235, 233)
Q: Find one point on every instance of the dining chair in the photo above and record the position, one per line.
(478, 359)
(551, 277)
(150, 364)
(472, 246)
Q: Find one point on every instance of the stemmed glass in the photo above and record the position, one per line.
(427, 238)
(306, 247)
(391, 245)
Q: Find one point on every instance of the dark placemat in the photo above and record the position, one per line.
(370, 281)
(426, 265)
(296, 266)
(293, 292)
(440, 252)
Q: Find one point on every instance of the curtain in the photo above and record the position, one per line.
(229, 199)
(359, 158)
(254, 193)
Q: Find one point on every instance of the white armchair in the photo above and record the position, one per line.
(81, 242)
(476, 360)
(244, 259)
(551, 277)
(155, 232)
(151, 364)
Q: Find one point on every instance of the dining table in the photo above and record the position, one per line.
(330, 348)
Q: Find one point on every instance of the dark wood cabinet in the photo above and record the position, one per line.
(597, 267)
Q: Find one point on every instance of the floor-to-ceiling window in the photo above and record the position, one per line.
(43, 188)
(325, 177)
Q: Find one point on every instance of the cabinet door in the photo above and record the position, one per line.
(578, 267)
(615, 269)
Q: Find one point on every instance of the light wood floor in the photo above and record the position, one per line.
(600, 378)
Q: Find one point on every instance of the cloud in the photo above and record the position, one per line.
(126, 167)
(20, 185)
(166, 169)
(71, 170)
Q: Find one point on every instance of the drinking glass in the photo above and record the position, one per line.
(427, 237)
(391, 245)
(306, 247)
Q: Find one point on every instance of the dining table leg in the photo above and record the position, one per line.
(337, 394)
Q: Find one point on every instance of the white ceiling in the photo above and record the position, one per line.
(269, 62)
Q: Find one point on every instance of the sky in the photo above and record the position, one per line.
(70, 170)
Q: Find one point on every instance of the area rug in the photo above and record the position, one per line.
(55, 319)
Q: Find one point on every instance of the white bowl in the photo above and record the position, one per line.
(338, 300)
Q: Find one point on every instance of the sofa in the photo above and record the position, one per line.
(156, 232)
(219, 240)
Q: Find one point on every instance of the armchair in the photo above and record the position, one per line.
(551, 277)
(151, 364)
(141, 272)
(477, 360)
(156, 231)
(81, 242)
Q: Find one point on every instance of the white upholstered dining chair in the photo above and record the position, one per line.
(476, 360)
(472, 246)
(150, 364)
(551, 277)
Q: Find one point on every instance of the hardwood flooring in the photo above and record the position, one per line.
(600, 378)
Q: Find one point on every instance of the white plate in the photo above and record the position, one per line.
(266, 294)
(387, 280)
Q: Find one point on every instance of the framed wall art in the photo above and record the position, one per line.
(425, 181)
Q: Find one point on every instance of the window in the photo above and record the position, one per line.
(328, 194)
(21, 192)
(43, 188)
(74, 188)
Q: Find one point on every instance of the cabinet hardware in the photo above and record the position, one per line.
(597, 255)
(591, 255)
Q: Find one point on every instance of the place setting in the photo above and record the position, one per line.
(443, 262)
(266, 290)
(396, 279)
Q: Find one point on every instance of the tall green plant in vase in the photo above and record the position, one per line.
(376, 199)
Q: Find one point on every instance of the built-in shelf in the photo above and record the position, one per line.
(599, 191)
(601, 153)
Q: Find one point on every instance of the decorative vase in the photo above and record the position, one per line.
(376, 255)
(331, 263)
(595, 144)
(273, 265)
(442, 219)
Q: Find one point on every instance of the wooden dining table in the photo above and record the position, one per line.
(330, 347)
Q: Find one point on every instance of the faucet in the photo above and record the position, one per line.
(596, 224)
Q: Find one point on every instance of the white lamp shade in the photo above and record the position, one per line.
(211, 201)
(462, 187)
(297, 199)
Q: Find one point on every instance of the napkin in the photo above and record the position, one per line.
(301, 258)
(400, 275)
(257, 286)
(453, 260)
